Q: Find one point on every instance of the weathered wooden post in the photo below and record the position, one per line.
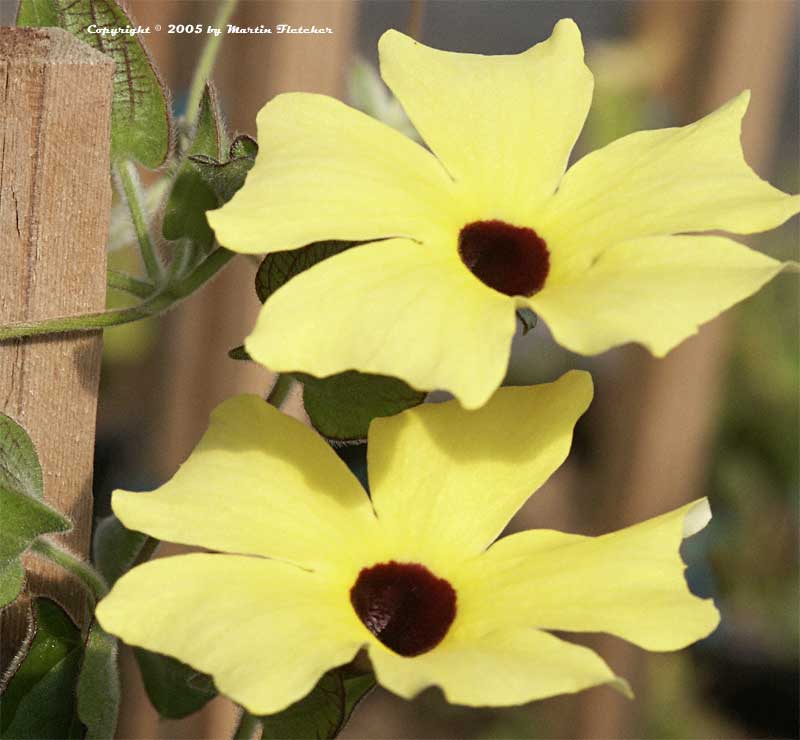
(55, 198)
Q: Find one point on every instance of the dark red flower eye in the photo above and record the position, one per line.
(404, 605)
(511, 259)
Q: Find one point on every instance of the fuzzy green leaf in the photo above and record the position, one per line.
(115, 548)
(39, 701)
(25, 515)
(141, 123)
(342, 406)
(175, 689)
(19, 463)
(324, 712)
(98, 685)
(12, 579)
(278, 268)
(24, 519)
(192, 196)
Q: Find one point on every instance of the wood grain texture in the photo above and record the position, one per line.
(55, 198)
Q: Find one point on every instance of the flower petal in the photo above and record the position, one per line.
(266, 631)
(629, 583)
(327, 171)
(445, 482)
(655, 290)
(503, 126)
(498, 669)
(258, 483)
(392, 308)
(662, 182)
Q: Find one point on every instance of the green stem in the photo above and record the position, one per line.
(280, 390)
(129, 284)
(129, 182)
(206, 63)
(91, 579)
(153, 306)
(248, 724)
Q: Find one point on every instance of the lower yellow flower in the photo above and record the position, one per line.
(311, 570)
(488, 221)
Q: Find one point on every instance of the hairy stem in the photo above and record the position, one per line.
(248, 724)
(129, 284)
(95, 583)
(156, 304)
(206, 62)
(129, 182)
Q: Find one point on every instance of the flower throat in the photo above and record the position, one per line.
(511, 259)
(404, 605)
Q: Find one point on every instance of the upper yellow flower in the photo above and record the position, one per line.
(488, 221)
(315, 570)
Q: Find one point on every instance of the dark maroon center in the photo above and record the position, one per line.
(404, 605)
(511, 259)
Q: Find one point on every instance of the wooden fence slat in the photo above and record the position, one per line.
(55, 197)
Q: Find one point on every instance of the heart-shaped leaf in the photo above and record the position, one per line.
(25, 515)
(324, 712)
(24, 519)
(141, 122)
(278, 268)
(342, 406)
(175, 689)
(19, 463)
(39, 701)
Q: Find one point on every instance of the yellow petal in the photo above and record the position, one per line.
(327, 171)
(498, 669)
(258, 483)
(661, 182)
(656, 291)
(503, 126)
(266, 631)
(629, 583)
(393, 308)
(445, 482)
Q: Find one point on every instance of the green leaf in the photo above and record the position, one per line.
(175, 689)
(192, 196)
(115, 548)
(141, 123)
(225, 178)
(12, 579)
(239, 353)
(25, 515)
(24, 519)
(39, 701)
(528, 319)
(324, 712)
(342, 406)
(280, 267)
(19, 463)
(98, 685)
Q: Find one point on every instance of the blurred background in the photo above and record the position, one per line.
(717, 418)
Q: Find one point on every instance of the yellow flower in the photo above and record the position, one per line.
(487, 221)
(312, 570)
